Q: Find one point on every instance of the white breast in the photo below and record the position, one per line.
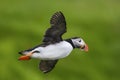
(55, 51)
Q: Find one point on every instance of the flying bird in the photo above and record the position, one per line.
(53, 47)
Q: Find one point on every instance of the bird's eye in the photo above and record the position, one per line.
(36, 52)
(79, 40)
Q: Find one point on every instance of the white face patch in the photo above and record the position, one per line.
(78, 42)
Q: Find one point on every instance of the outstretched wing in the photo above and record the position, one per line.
(57, 29)
(47, 65)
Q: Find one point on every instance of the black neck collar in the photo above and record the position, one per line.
(70, 41)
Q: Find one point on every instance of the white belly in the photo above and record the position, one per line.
(52, 52)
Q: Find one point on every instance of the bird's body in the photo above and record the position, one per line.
(54, 51)
(53, 47)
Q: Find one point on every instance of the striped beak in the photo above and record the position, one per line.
(26, 57)
(85, 48)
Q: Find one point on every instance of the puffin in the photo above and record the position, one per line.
(53, 47)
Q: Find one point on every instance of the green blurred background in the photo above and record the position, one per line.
(22, 26)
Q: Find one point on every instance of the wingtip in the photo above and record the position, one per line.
(45, 72)
(47, 66)
(57, 18)
(58, 12)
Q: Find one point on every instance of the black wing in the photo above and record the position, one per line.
(57, 29)
(47, 65)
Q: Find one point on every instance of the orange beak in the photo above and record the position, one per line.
(26, 57)
(86, 48)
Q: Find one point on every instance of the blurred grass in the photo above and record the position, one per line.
(22, 26)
